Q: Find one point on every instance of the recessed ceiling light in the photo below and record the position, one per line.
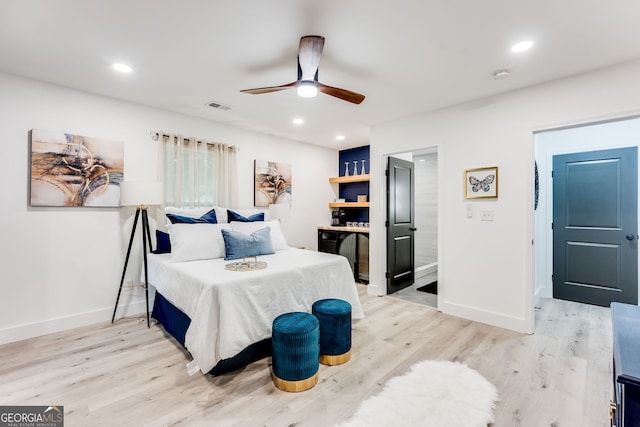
(297, 121)
(522, 46)
(123, 68)
(339, 137)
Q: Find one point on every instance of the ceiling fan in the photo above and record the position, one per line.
(308, 86)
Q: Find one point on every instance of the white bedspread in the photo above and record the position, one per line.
(231, 310)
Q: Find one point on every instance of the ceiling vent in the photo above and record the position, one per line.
(219, 106)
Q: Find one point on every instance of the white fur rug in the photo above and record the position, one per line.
(432, 393)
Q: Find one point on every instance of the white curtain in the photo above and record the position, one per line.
(197, 173)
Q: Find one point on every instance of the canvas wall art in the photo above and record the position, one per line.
(75, 170)
(272, 183)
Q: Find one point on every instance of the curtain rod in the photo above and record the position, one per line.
(156, 136)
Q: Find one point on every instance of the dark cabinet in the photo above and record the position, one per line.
(625, 408)
(352, 245)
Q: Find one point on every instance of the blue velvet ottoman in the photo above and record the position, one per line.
(334, 316)
(295, 341)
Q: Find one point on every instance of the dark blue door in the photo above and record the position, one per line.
(595, 226)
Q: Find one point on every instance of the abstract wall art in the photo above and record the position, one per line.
(272, 183)
(75, 170)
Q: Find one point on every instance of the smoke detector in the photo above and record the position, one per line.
(500, 74)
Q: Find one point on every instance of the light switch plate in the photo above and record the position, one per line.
(486, 215)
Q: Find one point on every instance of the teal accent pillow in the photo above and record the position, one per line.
(235, 216)
(208, 218)
(238, 245)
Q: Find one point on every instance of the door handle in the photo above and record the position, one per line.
(413, 229)
(631, 236)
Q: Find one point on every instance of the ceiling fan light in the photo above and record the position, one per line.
(307, 89)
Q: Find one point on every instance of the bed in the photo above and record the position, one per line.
(222, 317)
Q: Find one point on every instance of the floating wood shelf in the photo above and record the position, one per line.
(350, 178)
(349, 205)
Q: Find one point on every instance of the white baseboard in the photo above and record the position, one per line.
(374, 288)
(493, 319)
(49, 326)
(425, 270)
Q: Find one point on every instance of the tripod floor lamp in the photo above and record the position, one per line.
(140, 194)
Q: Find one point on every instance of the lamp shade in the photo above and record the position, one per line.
(136, 193)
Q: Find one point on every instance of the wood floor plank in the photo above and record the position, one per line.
(129, 375)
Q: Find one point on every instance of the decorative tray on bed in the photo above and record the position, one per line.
(247, 264)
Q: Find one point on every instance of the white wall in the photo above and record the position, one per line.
(61, 267)
(426, 205)
(485, 269)
(600, 136)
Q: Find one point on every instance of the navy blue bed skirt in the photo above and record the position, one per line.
(175, 322)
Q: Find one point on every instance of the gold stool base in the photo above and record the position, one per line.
(295, 386)
(339, 359)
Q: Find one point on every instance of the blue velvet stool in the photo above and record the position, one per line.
(334, 316)
(295, 341)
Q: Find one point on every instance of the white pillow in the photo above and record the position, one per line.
(277, 238)
(190, 242)
(221, 213)
(188, 212)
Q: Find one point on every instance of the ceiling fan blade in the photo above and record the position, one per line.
(260, 90)
(309, 54)
(343, 94)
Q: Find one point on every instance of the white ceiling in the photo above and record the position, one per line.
(406, 56)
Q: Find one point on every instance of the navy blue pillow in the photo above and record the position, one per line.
(235, 216)
(208, 218)
(238, 245)
(163, 243)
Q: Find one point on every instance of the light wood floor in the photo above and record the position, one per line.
(412, 294)
(128, 375)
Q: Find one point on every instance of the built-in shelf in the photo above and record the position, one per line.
(347, 180)
(349, 205)
(350, 178)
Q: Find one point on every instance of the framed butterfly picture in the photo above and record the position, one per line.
(481, 183)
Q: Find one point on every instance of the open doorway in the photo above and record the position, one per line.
(426, 224)
(557, 144)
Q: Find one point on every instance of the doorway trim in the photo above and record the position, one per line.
(550, 142)
(381, 256)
